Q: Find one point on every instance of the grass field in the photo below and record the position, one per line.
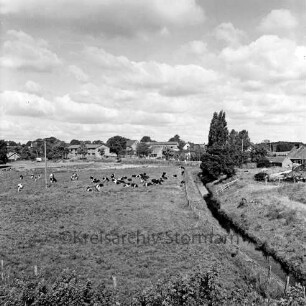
(46, 228)
(274, 214)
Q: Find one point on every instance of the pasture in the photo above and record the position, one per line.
(61, 227)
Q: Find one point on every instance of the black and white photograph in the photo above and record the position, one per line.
(152, 152)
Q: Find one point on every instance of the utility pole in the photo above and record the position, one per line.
(46, 181)
(242, 145)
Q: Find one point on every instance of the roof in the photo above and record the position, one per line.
(276, 159)
(299, 153)
(166, 143)
(88, 146)
(157, 150)
(129, 143)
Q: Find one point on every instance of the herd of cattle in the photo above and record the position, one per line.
(133, 182)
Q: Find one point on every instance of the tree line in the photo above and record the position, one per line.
(227, 150)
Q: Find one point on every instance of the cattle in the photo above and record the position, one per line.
(183, 172)
(174, 175)
(74, 177)
(127, 185)
(52, 178)
(99, 186)
(147, 184)
(21, 177)
(182, 183)
(134, 185)
(32, 176)
(105, 179)
(88, 188)
(95, 181)
(19, 187)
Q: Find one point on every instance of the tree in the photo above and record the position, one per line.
(216, 162)
(168, 153)
(258, 153)
(102, 151)
(75, 142)
(146, 139)
(3, 152)
(181, 143)
(82, 150)
(143, 149)
(98, 142)
(218, 132)
(117, 144)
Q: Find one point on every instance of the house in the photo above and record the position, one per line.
(13, 156)
(93, 151)
(157, 152)
(158, 147)
(131, 146)
(286, 159)
(186, 147)
(298, 155)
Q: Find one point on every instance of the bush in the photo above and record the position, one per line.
(260, 176)
(263, 163)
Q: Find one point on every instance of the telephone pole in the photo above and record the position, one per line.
(46, 180)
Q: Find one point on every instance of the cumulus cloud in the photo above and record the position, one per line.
(278, 20)
(169, 80)
(22, 51)
(229, 34)
(120, 17)
(269, 58)
(78, 73)
(33, 87)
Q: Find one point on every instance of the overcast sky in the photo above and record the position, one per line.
(92, 69)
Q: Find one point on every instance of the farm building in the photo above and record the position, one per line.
(93, 151)
(158, 147)
(298, 155)
(13, 156)
(131, 146)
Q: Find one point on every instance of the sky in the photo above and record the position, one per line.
(88, 70)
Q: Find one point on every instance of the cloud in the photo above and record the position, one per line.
(15, 103)
(78, 73)
(229, 34)
(168, 80)
(33, 87)
(115, 17)
(278, 20)
(22, 51)
(269, 59)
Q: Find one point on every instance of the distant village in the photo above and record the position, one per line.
(281, 153)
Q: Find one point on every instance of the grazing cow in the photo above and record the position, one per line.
(174, 175)
(19, 187)
(183, 172)
(21, 177)
(129, 179)
(134, 185)
(74, 177)
(89, 189)
(147, 184)
(52, 178)
(127, 185)
(182, 183)
(95, 181)
(183, 168)
(99, 186)
(105, 179)
(32, 176)
(134, 175)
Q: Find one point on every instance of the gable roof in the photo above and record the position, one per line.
(299, 153)
(129, 143)
(166, 143)
(88, 146)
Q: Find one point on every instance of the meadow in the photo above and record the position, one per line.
(61, 227)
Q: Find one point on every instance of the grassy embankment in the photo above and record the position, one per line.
(273, 215)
